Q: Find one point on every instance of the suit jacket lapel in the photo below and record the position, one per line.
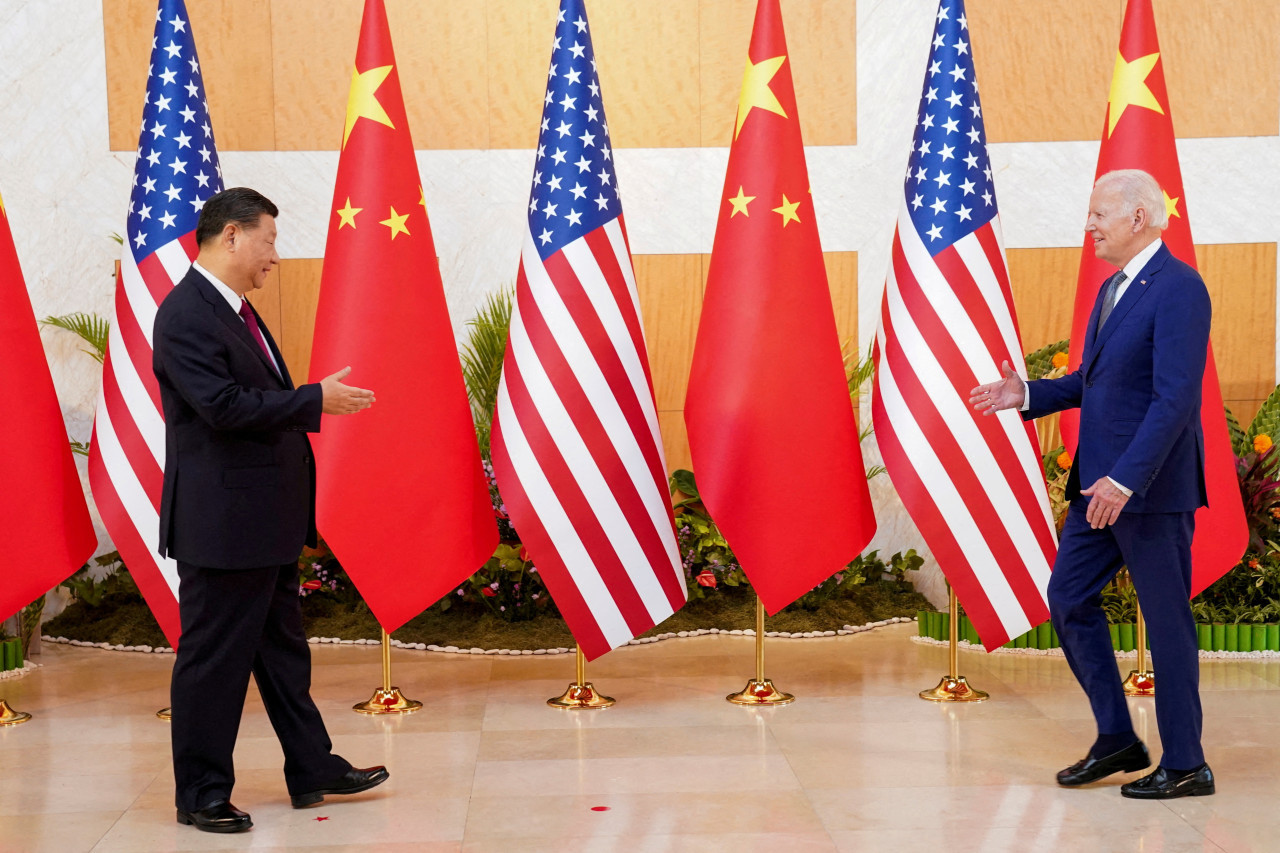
(1138, 288)
(235, 323)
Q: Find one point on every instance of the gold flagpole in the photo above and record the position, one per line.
(581, 694)
(387, 699)
(953, 687)
(1141, 681)
(760, 690)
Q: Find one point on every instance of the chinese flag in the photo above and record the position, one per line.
(1138, 134)
(401, 497)
(771, 425)
(48, 534)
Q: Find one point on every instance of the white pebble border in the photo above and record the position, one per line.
(158, 650)
(431, 647)
(966, 646)
(28, 666)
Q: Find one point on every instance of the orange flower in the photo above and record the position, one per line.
(1059, 359)
(1261, 443)
(1064, 461)
(1253, 564)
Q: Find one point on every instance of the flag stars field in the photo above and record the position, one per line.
(950, 153)
(787, 210)
(347, 214)
(396, 223)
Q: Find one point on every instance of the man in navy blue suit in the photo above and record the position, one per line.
(1135, 484)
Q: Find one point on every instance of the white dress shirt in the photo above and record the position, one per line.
(235, 300)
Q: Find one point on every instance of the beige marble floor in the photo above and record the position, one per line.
(858, 763)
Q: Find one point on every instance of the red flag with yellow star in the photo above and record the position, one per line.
(401, 497)
(771, 425)
(1138, 134)
(48, 531)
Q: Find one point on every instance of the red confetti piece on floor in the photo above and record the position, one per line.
(320, 818)
(599, 808)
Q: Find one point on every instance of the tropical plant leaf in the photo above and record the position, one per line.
(91, 328)
(1240, 443)
(1040, 362)
(481, 357)
(1266, 422)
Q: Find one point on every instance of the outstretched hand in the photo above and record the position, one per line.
(1008, 393)
(340, 399)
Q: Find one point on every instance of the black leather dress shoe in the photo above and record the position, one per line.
(1089, 769)
(218, 816)
(1163, 785)
(353, 781)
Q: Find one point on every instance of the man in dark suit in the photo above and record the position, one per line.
(1141, 460)
(237, 507)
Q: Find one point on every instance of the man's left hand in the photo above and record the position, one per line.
(1105, 503)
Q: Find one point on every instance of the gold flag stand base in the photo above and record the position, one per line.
(165, 714)
(387, 699)
(954, 690)
(954, 687)
(1140, 683)
(10, 717)
(760, 691)
(581, 695)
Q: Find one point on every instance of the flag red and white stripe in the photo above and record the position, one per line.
(176, 170)
(973, 484)
(576, 448)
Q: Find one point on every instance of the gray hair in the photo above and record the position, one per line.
(1138, 190)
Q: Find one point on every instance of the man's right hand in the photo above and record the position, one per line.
(1008, 393)
(342, 399)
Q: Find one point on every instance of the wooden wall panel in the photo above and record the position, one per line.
(675, 440)
(299, 295)
(1241, 278)
(473, 73)
(233, 39)
(670, 289)
(821, 38)
(440, 54)
(518, 34)
(842, 278)
(1045, 68)
(1044, 291)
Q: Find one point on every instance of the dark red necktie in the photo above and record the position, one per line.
(252, 322)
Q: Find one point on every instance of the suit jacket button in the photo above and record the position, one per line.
(1088, 383)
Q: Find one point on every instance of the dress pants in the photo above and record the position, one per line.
(1156, 547)
(234, 623)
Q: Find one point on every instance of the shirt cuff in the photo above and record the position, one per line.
(1026, 397)
(1128, 493)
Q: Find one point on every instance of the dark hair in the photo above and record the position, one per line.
(240, 205)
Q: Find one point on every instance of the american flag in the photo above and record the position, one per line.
(576, 447)
(176, 170)
(973, 484)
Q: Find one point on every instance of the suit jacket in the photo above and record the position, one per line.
(1138, 391)
(239, 476)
